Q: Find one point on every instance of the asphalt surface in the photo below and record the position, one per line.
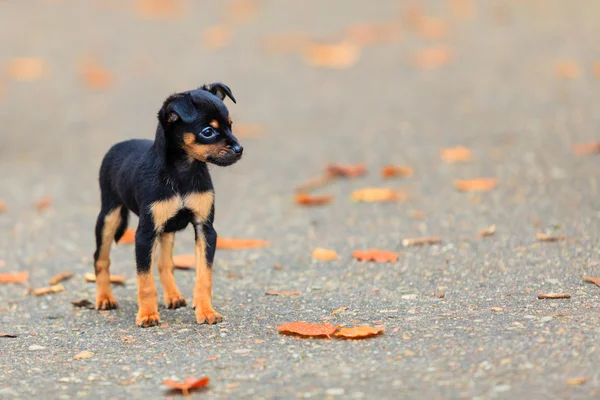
(499, 95)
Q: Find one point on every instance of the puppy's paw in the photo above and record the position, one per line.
(175, 301)
(207, 316)
(106, 302)
(146, 320)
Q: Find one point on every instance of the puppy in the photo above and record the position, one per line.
(167, 184)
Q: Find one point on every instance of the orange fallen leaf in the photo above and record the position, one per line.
(576, 381)
(375, 255)
(117, 279)
(184, 261)
(160, 9)
(14, 277)
(308, 200)
(370, 34)
(44, 203)
(431, 28)
(422, 241)
(3, 206)
(282, 293)
(487, 232)
(238, 244)
(26, 69)
(128, 236)
(247, 131)
(60, 277)
(128, 339)
(476, 185)
(287, 43)
(315, 183)
(584, 149)
(306, 329)
(217, 36)
(455, 154)
(188, 384)
(433, 57)
(554, 296)
(324, 254)
(94, 76)
(496, 309)
(567, 70)
(47, 290)
(396, 171)
(544, 237)
(358, 332)
(374, 195)
(591, 279)
(241, 11)
(346, 170)
(339, 55)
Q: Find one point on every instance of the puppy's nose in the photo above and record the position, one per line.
(237, 149)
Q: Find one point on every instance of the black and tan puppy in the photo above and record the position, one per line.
(167, 184)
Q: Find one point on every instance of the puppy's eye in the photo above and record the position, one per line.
(208, 132)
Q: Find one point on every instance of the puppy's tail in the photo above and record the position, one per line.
(123, 225)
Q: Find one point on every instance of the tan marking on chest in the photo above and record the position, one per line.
(164, 210)
(200, 204)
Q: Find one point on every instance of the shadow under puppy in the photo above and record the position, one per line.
(167, 184)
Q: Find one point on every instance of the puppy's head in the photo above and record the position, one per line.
(197, 122)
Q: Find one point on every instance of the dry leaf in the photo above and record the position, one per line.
(373, 195)
(455, 154)
(127, 339)
(396, 171)
(3, 206)
(160, 9)
(128, 236)
(422, 241)
(370, 34)
(239, 244)
(217, 36)
(308, 200)
(568, 70)
(579, 380)
(47, 290)
(476, 185)
(462, 8)
(83, 354)
(60, 277)
(14, 277)
(346, 170)
(187, 385)
(8, 335)
(315, 183)
(241, 11)
(282, 293)
(487, 232)
(84, 303)
(324, 254)
(554, 296)
(247, 131)
(339, 310)
(358, 332)
(591, 279)
(340, 55)
(44, 203)
(287, 43)
(94, 76)
(375, 255)
(306, 329)
(90, 277)
(433, 57)
(585, 149)
(26, 69)
(543, 237)
(496, 309)
(431, 28)
(184, 261)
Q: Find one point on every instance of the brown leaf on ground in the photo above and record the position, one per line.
(308, 200)
(282, 293)
(128, 339)
(83, 303)
(8, 335)
(60, 277)
(44, 203)
(476, 185)
(83, 354)
(3, 206)
(359, 332)
(375, 255)
(160, 9)
(187, 385)
(544, 237)
(585, 149)
(14, 277)
(396, 171)
(315, 183)
(324, 254)
(367, 34)
(184, 261)
(591, 279)
(463, 9)
(241, 11)
(285, 44)
(422, 241)
(339, 310)
(346, 170)
(338, 55)
(95, 76)
(487, 232)
(117, 279)
(47, 290)
(433, 57)
(567, 70)
(128, 236)
(248, 131)
(375, 195)
(240, 244)
(431, 28)
(496, 309)
(26, 69)
(217, 36)
(305, 329)
(576, 381)
(455, 154)
(554, 296)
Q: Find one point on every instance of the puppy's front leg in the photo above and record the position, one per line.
(145, 244)
(206, 243)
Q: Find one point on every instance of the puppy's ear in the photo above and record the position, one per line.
(220, 90)
(178, 107)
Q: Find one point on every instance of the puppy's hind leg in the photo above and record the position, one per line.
(107, 224)
(173, 298)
